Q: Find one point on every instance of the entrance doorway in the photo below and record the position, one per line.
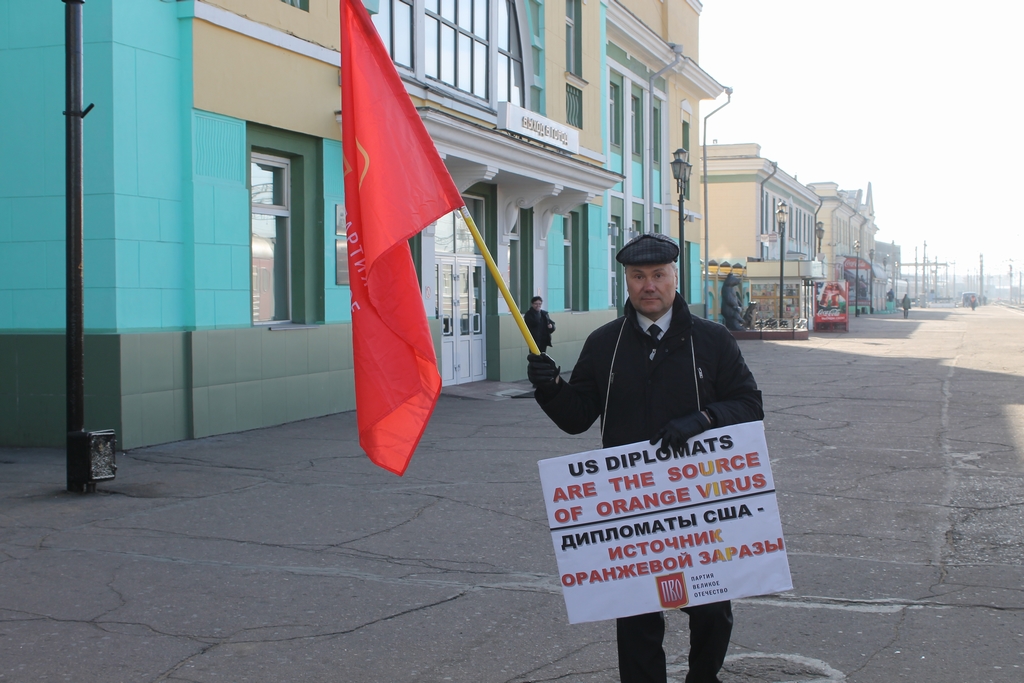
(461, 299)
(459, 283)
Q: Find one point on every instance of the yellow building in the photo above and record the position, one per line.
(848, 243)
(655, 86)
(744, 191)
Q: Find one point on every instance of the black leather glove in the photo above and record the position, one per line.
(677, 432)
(541, 370)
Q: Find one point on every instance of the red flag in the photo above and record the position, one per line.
(395, 185)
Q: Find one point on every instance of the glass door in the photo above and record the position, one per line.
(461, 311)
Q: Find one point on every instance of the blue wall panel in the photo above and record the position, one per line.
(221, 222)
(556, 269)
(337, 299)
(637, 178)
(157, 142)
(132, 151)
(125, 122)
(694, 273)
(32, 180)
(598, 256)
(126, 259)
(5, 216)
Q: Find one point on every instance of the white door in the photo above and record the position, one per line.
(461, 298)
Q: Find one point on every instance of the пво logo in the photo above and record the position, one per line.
(672, 590)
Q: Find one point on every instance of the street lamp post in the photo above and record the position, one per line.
(856, 282)
(819, 232)
(681, 172)
(895, 279)
(885, 269)
(871, 280)
(781, 216)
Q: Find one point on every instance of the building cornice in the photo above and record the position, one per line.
(761, 168)
(638, 39)
(267, 34)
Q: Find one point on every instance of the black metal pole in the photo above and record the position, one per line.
(75, 327)
(682, 242)
(856, 288)
(782, 267)
(871, 283)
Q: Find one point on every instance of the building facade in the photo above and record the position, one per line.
(745, 190)
(848, 245)
(215, 263)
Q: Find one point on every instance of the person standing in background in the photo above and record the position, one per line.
(539, 323)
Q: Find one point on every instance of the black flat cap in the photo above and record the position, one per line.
(648, 250)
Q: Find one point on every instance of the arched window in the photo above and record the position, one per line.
(510, 55)
(466, 46)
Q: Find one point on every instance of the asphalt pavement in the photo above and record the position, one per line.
(283, 554)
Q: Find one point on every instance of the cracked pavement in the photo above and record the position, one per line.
(283, 554)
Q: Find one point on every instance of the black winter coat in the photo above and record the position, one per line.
(646, 394)
(538, 323)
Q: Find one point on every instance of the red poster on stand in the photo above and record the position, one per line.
(830, 304)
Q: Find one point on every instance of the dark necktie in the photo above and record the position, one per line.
(654, 331)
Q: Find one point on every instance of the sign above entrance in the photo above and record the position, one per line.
(531, 125)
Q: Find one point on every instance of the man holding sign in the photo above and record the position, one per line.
(656, 373)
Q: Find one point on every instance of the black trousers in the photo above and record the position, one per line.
(642, 658)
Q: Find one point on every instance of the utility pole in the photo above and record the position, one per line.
(917, 292)
(981, 279)
(90, 455)
(924, 273)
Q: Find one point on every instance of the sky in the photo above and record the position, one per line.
(921, 98)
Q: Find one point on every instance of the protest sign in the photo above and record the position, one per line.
(637, 529)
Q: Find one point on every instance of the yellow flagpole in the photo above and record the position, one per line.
(492, 266)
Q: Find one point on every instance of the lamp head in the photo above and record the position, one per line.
(782, 214)
(681, 165)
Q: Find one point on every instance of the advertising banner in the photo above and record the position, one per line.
(857, 273)
(637, 529)
(830, 303)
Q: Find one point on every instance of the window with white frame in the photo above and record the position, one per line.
(271, 237)
(456, 44)
(637, 115)
(573, 37)
(615, 114)
(510, 55)
(394, 24)
(473, 47)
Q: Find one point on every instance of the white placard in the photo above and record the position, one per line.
(639, 530)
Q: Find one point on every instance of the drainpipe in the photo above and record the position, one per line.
(677, 50)
(760, 195)
(704, 154)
